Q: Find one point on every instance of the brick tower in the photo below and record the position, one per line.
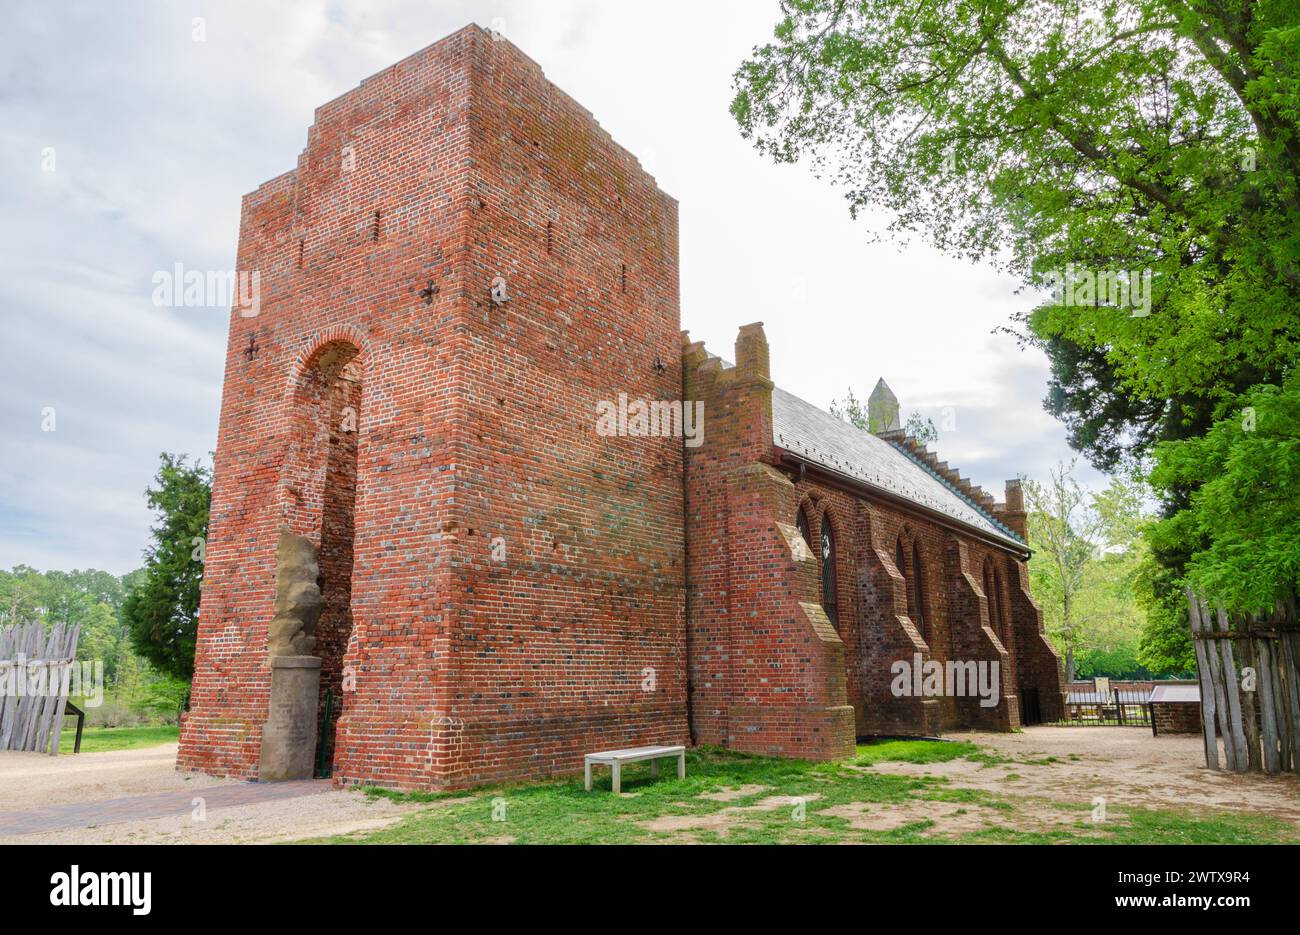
(460, 268)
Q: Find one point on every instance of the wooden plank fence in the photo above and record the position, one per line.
(35, 721)
(1250, 687)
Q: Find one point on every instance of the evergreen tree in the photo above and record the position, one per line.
(162, 609)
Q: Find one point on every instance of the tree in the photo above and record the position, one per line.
(1122, 512)
(1150, 146)
(1241, 523)
(1064, 532)
(22, 594)
(1166, 644)
(162, 608)
(89, 599)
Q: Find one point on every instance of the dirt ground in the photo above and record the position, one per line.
(28, 780)
(1043, 764)
(1043, 768)
(32, 780)
(1126, 765)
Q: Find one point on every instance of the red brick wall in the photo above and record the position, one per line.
(335, 283)
(1177, 717)
(765, 664)
(577, 641)
(747, 583)
(476, 421)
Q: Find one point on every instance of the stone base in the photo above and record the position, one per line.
(289, 737)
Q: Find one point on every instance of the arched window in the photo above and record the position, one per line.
(830, 602)
(802, 522)
(1003, 622)
(993, 593)
(900, 562)
(918, 591)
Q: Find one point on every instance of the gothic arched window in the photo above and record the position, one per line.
(900, 562)
(1003, 622)
(918, 591)
(991, 591)
(830, 602)
(802, 522)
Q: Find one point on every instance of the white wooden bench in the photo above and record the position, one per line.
(615, 759)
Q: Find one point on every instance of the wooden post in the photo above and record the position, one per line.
(1231, 751)
(1250, 707)
(1232, 691)
(70, 654)
(1290, 647)
(1216, 686)
(1207, 683)
(1267, 694)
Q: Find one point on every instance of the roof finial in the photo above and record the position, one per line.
(882, 409)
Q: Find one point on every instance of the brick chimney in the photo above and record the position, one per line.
(1013, 513)
(751, 351)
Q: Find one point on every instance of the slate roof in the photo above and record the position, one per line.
(802, 429)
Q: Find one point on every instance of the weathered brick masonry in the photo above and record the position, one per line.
(473, 423)
(508, 587)
(921, 566)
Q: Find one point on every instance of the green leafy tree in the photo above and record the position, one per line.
(164, 697)
(1108, 617)
(1165, 647)
(1059, 137)
(1119, 663)
(162, 608)
(89, 599)
(1241, 522)
(1064, 532)
(22, 595)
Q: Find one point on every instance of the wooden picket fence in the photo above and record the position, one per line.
(1250, 687)
(34, 722)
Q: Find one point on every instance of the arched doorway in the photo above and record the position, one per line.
(320, 503)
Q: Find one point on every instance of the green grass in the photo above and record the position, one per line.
(913, 751)
(100, 739)
(561, 812)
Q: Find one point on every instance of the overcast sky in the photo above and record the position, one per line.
(152, 137)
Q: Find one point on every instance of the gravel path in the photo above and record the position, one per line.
(28, 780)
(137, 796)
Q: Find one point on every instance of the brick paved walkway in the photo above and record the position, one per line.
(159, 805)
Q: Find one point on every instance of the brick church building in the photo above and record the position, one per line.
(413, 495)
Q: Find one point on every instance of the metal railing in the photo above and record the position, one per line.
(1116, 707)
